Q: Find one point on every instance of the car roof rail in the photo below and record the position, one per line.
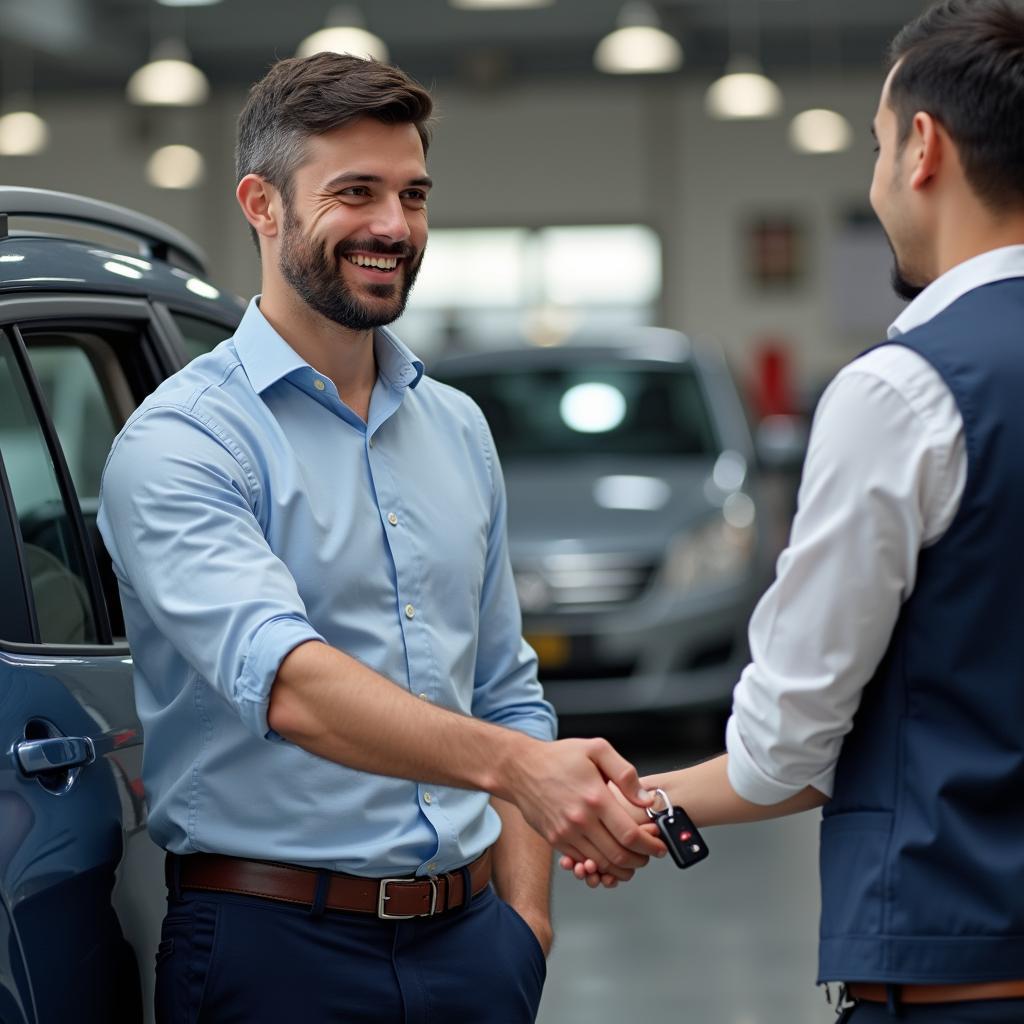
(158, 240)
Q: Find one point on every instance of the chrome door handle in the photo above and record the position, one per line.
(62, 753)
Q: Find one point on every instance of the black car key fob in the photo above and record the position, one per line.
(680, 835)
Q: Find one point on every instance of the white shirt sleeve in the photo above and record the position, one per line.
(884, 476)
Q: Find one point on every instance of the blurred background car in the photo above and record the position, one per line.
(637, 533)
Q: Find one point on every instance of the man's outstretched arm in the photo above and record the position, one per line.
(334, 706)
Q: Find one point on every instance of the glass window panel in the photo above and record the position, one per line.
(474, 267)
(597, 409)
(61, 597)
(616, 265)
(200, 336)
(78, 408)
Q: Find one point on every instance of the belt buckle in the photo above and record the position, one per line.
(383, 897)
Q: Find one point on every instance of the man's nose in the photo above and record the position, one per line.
(390, 221)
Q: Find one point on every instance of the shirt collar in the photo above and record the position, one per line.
(995, 265)
(267, 358)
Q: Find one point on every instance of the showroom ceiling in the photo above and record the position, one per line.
(96, 44)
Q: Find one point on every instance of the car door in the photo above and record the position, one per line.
(81, 883)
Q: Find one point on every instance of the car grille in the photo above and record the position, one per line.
(581, 582)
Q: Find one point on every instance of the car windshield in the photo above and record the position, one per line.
(598, 409)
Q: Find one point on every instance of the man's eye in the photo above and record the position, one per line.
(416, 195)
(355, 190)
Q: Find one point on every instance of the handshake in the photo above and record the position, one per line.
(590, 804)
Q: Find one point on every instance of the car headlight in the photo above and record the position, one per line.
(717, 552)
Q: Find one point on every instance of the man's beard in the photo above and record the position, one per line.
(320, 283)
(902, 285)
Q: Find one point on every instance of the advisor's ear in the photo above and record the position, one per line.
(926, 145)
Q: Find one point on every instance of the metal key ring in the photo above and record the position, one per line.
(664, 797)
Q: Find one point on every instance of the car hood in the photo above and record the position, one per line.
(554, 506)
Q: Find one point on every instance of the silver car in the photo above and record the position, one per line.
(636, 532)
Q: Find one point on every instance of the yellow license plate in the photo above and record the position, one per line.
(552, 649)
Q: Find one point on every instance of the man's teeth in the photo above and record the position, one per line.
(380, 262)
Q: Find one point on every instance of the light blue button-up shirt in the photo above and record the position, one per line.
(247, 509)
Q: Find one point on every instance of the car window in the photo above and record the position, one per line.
(89, 399)
(200, 336)
(599, 409)
(81, 413)
(52, 559)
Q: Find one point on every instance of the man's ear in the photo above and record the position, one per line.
(925, 147)
(261, 205)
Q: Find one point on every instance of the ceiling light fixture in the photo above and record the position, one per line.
(744, 92)
(820, 131)
(345, 33)
(499, 5)
(22, 133)
(638, 45)
(175, 167)
(170, 79)
(188, 3)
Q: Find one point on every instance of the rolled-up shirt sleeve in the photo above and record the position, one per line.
(177, 515)
(506, 691)
(883, 477)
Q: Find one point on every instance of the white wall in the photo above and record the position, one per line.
(631, 150)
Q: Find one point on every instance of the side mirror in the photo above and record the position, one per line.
(781, 443)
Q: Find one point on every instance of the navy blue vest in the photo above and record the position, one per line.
(922, 844)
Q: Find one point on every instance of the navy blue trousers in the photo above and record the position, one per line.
(982, 1011)
(242, 960)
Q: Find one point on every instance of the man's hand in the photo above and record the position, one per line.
(540, 925)
(587, 871)
(561, 789)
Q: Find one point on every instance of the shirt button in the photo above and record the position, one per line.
(319, 384)
(392, 519)
(370, 442)
(423, 696)
(432, 866)
(409, 611)
(427, 798)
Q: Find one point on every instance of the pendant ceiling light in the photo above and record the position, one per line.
(345, 33)
(639, 45)
(822, 130)
(744, 92)
(819, 131)
(499, 5)
(170, 79)
(175, 166)
(22, 133)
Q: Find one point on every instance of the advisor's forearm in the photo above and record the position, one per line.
(707, 796)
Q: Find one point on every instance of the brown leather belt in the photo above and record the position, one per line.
(388, 898)
(877, 993)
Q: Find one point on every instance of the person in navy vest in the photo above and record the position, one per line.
(887, 673)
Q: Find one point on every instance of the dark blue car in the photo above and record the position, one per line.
(88, 327)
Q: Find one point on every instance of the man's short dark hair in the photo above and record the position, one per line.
(302, 97)
(962, 62)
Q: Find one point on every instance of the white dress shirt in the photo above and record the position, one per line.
(883, 478)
